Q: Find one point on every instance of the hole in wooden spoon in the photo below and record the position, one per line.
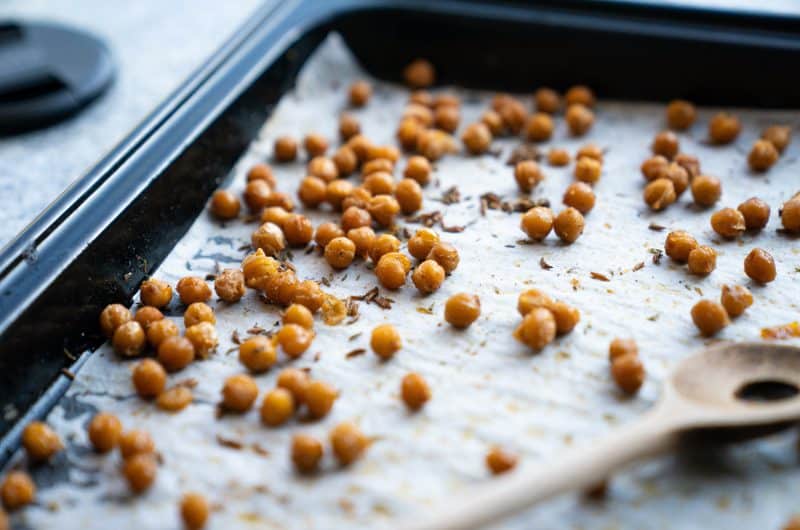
(770, 390)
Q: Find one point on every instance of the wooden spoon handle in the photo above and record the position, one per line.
(580, 469)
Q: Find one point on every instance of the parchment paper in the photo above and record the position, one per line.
(487, 388)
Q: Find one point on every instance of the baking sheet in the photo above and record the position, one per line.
(487, 388)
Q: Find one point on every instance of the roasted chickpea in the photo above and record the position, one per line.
(391, 271)
(580, 196)
(654, 167)
(104, 431)
(462, 309)
(257, 268)
(348, 443)
(679, 177)
(340, 252)
(363, 237)
(736, 299)
(763, 155)
(113, 316)
(666, 144)
(408, 133)
(790, 215)
(258, 354)
(358, 197)
(257, 194)
(592, 151)
(295, 381)
(558, 157)
(149, 378)
(756, 213)
(538, 328)
(679, 244)
(547, 100)
(493, 121)
(702, 260)
(306, 453)
(566, 317)
(421, 243)
(477, 138)
(298, 230)
(419, 74)
(278, 199)
(309, 294)
(419, 169)
(415, 391)
(709, 317)
(239, 393)
(300, 315)
(277, 407)
(274, 214)
(312, 191)
(445, 255)
(4, 522)
(446, 118)
(531, 299)
(295, 339)
(349, 128)
(659, 194)
(428, 276)
(724, 128)
(17, 490)
(580, 94)
(620, 347)
(323, 168)
(176, 353)
(760, 266)
(360, 92)
(706, 190)
(319, 397)
(383, 209)
(579, 119)
(378, 165)
(136, 443)
(194, 511)
(421, 97)
(728, 222)
(129, 339)
(690, 163)
(388, 152)
(174, 399)
(40, 441)
(140, 471)
(385, 341)
(568, 225)
(433, 144)
(537, 222)
(500, 461)
(285, 149)
(354, 217)
(539, 127)
(198, 312)
(315, 144)
(337, 191)
(327, 232)
(588, 170)
(778, 135)
(527, 174)
(628, 373)
(409, 195)
(193, 289)
(681, 114)
(229, 285)
(225, 205)
(514, 115)
(360, 145)
(203, 337)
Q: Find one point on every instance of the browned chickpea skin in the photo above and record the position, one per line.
(531, 299)
(666, 144)
(446, 118)
(40, 441)
(360, 92)
(354, 217)
(706, 190)
(229, 285)
(285, 149)
(358, 197)
(537, 222)
(309, 294)
(176, 353)
(340, 252)
(258, 354)
(391, 272)
(580, 196)
(628, 373)
(193, 289)
(462, 309)
(558, 157)
(280, 287)
(546, 100)
(349, 128)
(203, 337)
(257, 194)
(348, 443)
(735, 299)
(709, 317)
(239, 393)
(311, 191)
(500, 461)
(319, 398)
(326, 232)
(277, 407)
(104, 431)
(568, 225)
(409, 195)
(149, 378)
(756, 213)
(724, 128)
(140, 471)
(566, 317)
(225, 205)
(419, 73)
(728, 223)
(688, 162)
(298, 230)
(679, 177)
(136, 442)
(527, 174)
(295, 381)
(588, 170)
(762, 156)
(129, 339)
(790, 215)
(114, 316)
(659, 194)
(428, 276)
(383, 209)
(702, 260)
(778, 135)
(156, 293)
(620, 347)
(315, 144)
(539, 127)
(194, 511)
(579, 119)
(580, 94)
(477, 138)
(256, 267)
(445, 255)
(363, 238)
(385, 341)
(760, 266)
(681, 114)
(322, 167)
(306, 453)
(17, 490)
(415, 391)
(679, 244)
(538, 328)
(337, 191)
(421, 243)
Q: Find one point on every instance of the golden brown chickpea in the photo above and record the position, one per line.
(323, 168)
(360, 145)
(136, 443)
(537, 222)
(580, 94)
(445, 255)
(681, 114)
(360, 92)
(225, 205)
(735, 299)
(462, 309)
(257, 268)
(419, 74)
(294, 339)
(257, 194)
(129, 339)
(580, 196)
(203, 337)
(477, 138)
(690, 163)
(379, 183)
(433, 144)
(654, 167)
(198, 312)
(349, 128)
(194, 511)
(421, 243)
(592, 151)
(355, 217)
(315, 144)
(295, 381)
(539, 127)
(778, 135)
(500, 461)
(239, 393)
(409, 195)
(155, 293)
(513, 113)
(421, 97)
(311, 191)
(527, 174)
(547, 100)
(363, 238)
(326, 232)
(17, 490)
(531, 299)
(446, 100)
(277, 407)
(147, 315)
(659, 194)
(728, 222)
(385, 341)
(415, 391)
(140, 471)
(149, 378)
(408, 133)
(175, 399)
(300, 315)
(340, 252)
(359, 198)
(723, 128)
(319, 397)
(258, 354)
(568, 225)
(114, 316)
(274, 214)
(666, 144)
(4, 522)
(285, 149)
(229, 285)
(193, 289)
(383, 209)
(588, 170)
(709, 317)
(763, 155)
(298, 230)
(628, 373)
(421, 114)
(262, 172)
(176, 353)
(388, 152)
(383, 244)
(679, 244)
(566, 317)
(279, 199)
(620, 347)
(756, 213)
(428, 276)
(706, 190)
(306, 453)
(280, 287)
(391, 271)
(679, 177)
(104, 431)
(309, 294)
(702, 260)
(377, 165)
(446, 118)
(493, 122)
(558, 157)
(790, 215)
(40, 441)
(538, 328)
(760, 266)
(337, 191)
(348, 443)
(579, 119)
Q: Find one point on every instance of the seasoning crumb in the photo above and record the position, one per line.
(657, 255)
(599, 276)
(229, 443)
(544, 265)
(656, 227)
(639, 266)
(355, 353)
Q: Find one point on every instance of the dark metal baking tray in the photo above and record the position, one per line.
(112, 227)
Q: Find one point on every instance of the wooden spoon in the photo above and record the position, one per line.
(728, 387)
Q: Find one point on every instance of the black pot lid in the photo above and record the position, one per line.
(48, 72)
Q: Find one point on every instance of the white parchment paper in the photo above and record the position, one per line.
(487, 388)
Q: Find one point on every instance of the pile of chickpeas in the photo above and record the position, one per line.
(543, 318)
